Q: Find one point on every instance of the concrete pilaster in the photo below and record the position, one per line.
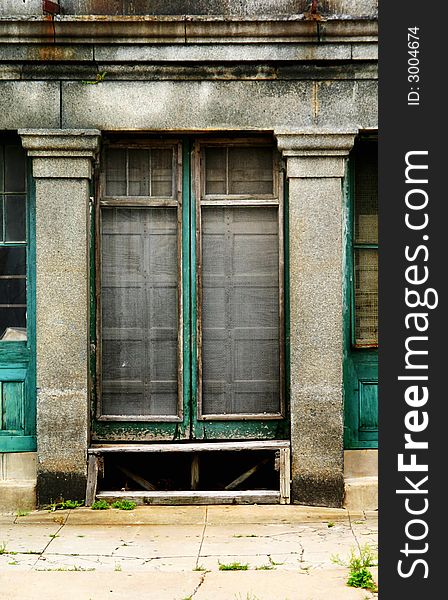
(62, 168)
(315, 168)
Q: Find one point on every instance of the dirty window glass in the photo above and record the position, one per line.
(240, 310)
(238, 171)
(13, 239)
(139, 283)
(146, 172)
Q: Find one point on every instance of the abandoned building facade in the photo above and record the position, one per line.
(188, 251)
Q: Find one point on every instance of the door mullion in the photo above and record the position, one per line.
(184, 149)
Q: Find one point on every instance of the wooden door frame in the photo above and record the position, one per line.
(143, 428)
(248, 426)
(146, 430)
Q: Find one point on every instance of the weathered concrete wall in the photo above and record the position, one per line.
(188, 105)
(39, 103)
(357, 8)
(209, 105)
(21, 7)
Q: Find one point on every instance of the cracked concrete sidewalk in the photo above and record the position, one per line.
(174, 553)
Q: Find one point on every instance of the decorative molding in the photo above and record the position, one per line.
(101, 29)
(65, 153)
(315, 142)
(315, 153)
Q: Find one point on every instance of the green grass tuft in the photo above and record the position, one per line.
(358, 566)
(124, 504)
(235, 566)
(100, 505)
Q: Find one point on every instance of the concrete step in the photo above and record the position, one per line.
(361, 493)
(17, 495)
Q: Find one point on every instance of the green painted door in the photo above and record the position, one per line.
(17, 326)
(361, 299)
(189, 339)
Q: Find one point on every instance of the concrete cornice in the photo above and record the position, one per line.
(94, 29)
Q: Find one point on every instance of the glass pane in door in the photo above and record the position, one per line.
(139, 286)
(240, 310)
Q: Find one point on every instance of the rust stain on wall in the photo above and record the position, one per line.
(51, 53)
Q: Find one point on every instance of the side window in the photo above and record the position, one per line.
(13, 243)
(365, 246)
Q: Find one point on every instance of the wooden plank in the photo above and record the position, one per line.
(192, 497)
(92, 479)
(137, 201)
(194, 447)
(216, 200)
(285, 476)
(236, 482)
(195, 472)
(146, 485)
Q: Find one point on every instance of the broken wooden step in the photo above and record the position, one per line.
(230, 495)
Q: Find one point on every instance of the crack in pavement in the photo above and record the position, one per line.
(201, 581)
(53, 536)
(353, 532)
(202, 538)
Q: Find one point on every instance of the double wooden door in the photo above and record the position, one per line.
(188, 267)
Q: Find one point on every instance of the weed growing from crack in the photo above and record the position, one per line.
(75, 568)
(330, 524)
(265, 568)
(64, 505)
(100, 505)
(3, 548)
(124, 504)
(22, 513)
(235, 566)
(99, 78)
(358, 565)
(274, 563)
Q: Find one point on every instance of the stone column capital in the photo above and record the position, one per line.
(61, 153)
(315, 153)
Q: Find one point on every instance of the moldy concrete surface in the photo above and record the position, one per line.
(174, 553)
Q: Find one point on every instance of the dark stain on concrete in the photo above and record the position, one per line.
(318, 491)
(54, 487)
